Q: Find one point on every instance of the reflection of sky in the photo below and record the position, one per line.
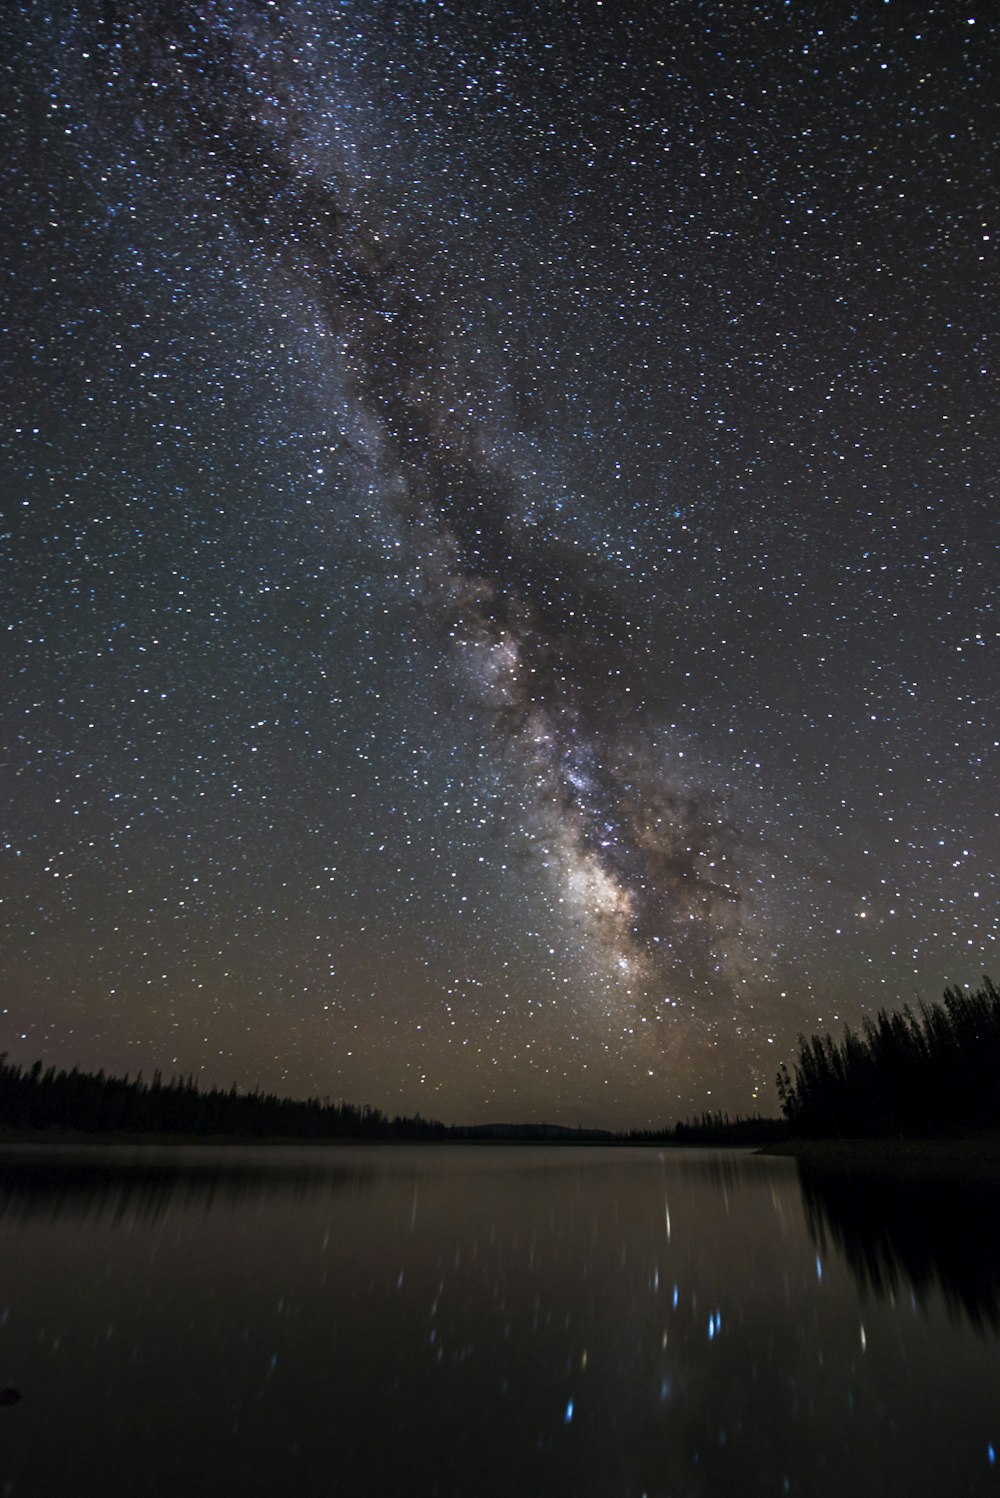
(532, 1320)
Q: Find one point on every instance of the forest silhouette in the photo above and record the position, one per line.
(36, 1099)
(918, 1074)
(923, 1073)
(91, 1102)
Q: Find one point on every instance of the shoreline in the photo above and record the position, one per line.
(110, 1137)
(964, 1156)
(960, 1156)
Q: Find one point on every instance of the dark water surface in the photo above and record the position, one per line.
(491, 1321)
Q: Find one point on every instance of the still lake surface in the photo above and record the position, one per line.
(479, 1321)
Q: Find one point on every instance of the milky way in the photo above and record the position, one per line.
(547, 654)
(620, 384)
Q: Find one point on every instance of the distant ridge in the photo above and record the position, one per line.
(528, 1131)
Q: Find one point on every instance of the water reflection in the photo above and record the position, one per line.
(725, 1170)
(94, 1183)
(467, 1322)
(901, 1234)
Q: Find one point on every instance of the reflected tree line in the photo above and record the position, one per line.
(911, 1235)
(47, 1185)
(927, 1072)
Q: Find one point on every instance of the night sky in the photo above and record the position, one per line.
(499, 544)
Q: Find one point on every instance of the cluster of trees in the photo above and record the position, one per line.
(930, 1072)
(94, 1103)
(719, 1128)
(716, 1129)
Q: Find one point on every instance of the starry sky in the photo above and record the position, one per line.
(499, 543)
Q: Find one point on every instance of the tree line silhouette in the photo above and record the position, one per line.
(92, 1102)
(927, 1072)
(930, 1072)
(33, 1098)
(717, 1129)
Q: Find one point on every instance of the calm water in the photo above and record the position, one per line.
(491, 1321)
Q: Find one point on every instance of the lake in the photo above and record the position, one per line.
(491, 1320)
